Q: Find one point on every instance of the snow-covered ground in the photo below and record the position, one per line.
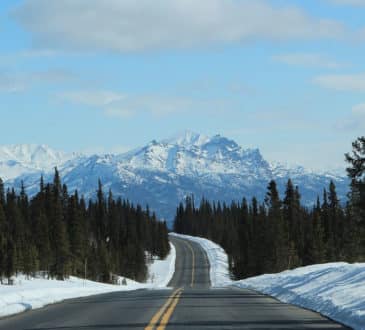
(160, 272)
(35, 293)
(336, 290)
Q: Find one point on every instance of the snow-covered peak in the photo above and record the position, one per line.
(161, 173)
(284, 169)
(187, 139)
(221, 143)
(19, 159)
(30, 153)
(195, 154)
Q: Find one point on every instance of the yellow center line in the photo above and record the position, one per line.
(193, 263)
(162, 310)
(165, 319)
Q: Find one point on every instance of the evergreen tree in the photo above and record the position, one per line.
(60, 267)
(3, 241)
(356, 173)
(2, 193)
(54, 232)
(276, 235)
(291, 211)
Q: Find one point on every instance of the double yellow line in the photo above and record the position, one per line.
(164, 313)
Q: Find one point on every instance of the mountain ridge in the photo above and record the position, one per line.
(162, 173)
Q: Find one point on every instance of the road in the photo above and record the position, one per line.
(190, 304)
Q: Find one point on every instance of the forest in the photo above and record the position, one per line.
(281, 233)
(58, 234)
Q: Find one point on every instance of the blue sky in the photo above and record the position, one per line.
(105, 76)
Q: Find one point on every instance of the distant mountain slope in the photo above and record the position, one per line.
(16, 160)
(161, 174)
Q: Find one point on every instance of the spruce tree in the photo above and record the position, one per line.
(337, 223)
(292, 224)
(3, 240)
(56, 233)
(60, 243)
(356, 173)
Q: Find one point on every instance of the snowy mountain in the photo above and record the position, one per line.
(17, 160)
(162, 173)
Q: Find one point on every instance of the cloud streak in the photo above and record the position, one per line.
(100, 98)
(355, 121)
(130, 26)
(350, 82)
(357, 3)
(308, 60)
(20, 82)
(120, 105)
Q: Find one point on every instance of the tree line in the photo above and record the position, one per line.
(62, 234)
(278, 234)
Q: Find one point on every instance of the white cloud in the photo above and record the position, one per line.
(308, 60)
(93, 98)
(35, 53)
(349, 2)
(28, 53)
(115, 104)
(11, 85)
(119, 112)
(350, 82)
(359, 109)
(355, 121)
(129, 25)
(14, 82)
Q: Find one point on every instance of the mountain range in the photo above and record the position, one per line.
(163, 173)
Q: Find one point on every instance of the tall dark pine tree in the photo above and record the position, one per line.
(101, 213)
(277, 239)
(3, 239)
(356, 172)
(60, 242)
(55, 233)
(318, 249)
(292, 223)
(337, 223)
(2, 192)
(76, 228)
(16, 232)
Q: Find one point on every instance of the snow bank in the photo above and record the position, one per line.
(161, 271)
(336, 290)
(218, 260)
(34, 293)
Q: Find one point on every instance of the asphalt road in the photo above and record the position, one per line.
(190, 304)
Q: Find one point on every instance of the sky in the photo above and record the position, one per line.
(285, 76)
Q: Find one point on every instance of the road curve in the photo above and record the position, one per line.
(191, 267)
(190, 304)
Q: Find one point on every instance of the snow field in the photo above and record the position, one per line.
(336, 290)
(35, 293)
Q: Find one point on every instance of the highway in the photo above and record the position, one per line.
(189, 304)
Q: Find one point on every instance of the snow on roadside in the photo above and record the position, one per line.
(218, 260)
(336, 290)
(35, 293)
(161, 271)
